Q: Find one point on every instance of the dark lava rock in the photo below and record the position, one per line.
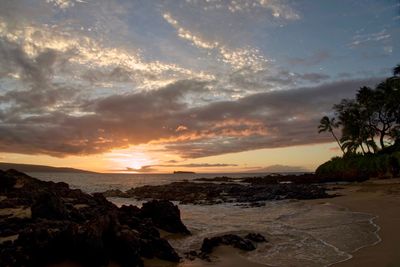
(165, 215)
(60, 224)
(49, 206)
(208, 193)
(231, 240)
(255, 237)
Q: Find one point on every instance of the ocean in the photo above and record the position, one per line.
(299, 233)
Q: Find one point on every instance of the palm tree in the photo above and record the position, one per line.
(396, 70)
(350, 145)
(327, 125)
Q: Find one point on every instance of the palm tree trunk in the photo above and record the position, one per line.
(381, 140)
(362, 148)
(337, 141)
(374, 146)
(369, 150)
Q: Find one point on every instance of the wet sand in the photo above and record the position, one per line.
(382, 198)
(379, 197)
(223, 256)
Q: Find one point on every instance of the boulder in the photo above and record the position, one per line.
(165, 215)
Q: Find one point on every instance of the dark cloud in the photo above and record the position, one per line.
(117, 74)
(34, 91)
(14, 60)
(262, 120)
(249, 80)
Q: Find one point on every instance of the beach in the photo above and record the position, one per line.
(381, 198)
(337, 224)
(377, 197)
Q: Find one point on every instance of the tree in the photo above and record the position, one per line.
(327, 125)
(396, 70)
(355, 132)
(374, 114)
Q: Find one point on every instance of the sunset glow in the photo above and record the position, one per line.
(204, 86)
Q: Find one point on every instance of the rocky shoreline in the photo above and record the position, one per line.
(44, 223)
(210, 191)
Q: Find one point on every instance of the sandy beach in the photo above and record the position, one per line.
(377, 197)
(359, 226)
(382, 198)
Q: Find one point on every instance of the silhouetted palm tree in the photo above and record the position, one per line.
(327, 125)
(396, 70)
(350, 145)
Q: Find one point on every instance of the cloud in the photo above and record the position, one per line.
(38, 93)
(262, 120)
(361, 39)
(62, 4)
(85, 77)
(186, 34)
(277, 8)
(280, 168)
(155, 168)
(143, 169)
(13, 60)
(237, 58)
(81, 57)
(251, 81)
(198, 165)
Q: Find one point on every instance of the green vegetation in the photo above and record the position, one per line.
(358, 167)
(370, 133)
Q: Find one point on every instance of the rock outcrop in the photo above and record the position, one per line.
(208, 193)
(164, 215)
(46, 222)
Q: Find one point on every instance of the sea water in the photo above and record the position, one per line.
(299, 233)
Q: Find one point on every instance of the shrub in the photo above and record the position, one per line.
(356, 167)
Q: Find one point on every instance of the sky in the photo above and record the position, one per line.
(199, 85)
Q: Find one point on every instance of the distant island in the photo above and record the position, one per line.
(183, 172)
(38, 168)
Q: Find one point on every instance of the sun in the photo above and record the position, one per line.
(128, 160)
(136, 165)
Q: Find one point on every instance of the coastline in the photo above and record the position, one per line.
(382, 199)
(374, 202)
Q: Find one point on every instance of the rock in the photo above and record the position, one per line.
(255, 237)
(7, 182)
(159, 248)
(49, 206)
(70, 225)
(126, 248)
(231, 240)
(256, 190)
(165, 215)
